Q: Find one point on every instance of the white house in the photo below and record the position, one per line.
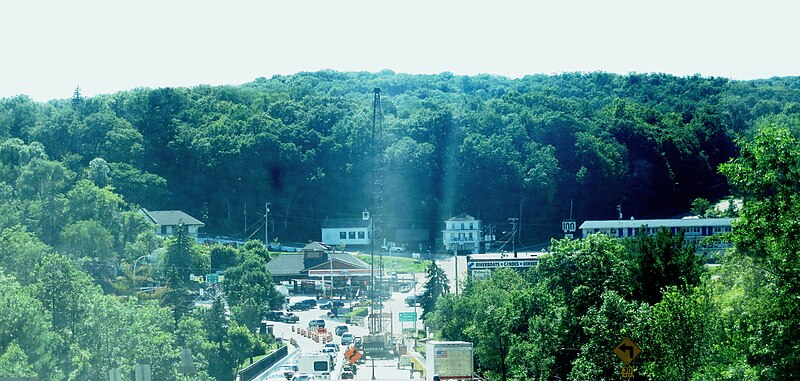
(347, 231)
(166, 221)
(462, 233)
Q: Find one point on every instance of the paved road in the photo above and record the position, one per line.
(384, 369)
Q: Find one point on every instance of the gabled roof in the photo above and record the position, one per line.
(462, 217)
(286, 264)
(333, 223)
(350, 258)
(289, 264)
(325, 265)
(169, 217)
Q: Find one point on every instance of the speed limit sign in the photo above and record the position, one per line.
(627, 371)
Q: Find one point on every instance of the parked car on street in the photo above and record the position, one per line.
(299, 306)
(282, 317)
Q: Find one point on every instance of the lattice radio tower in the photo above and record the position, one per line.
(377, 214)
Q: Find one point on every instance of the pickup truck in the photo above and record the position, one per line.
(393, 248)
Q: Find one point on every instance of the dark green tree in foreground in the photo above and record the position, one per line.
(436, 285)
(662, 260)
(767, 178)
(250, 291)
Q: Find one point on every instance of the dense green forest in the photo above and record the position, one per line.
(650, 143)
(735, 321)
(74, 171)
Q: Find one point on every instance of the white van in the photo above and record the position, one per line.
(318, 364)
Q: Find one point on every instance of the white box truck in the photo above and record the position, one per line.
(450, 360)
(318, 364)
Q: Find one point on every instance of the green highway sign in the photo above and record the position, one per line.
(408, 316)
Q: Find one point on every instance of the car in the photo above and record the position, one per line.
(288, 370)
(358, 343)
(413, 300)
(347, 338)
(332, 345)
(274, 315)
(340, 329)
(299, 306)
(311, 303)
(346, 375)
(290, 318)
(316, 323)
(326, 305)
(304, 377)
(303, 305)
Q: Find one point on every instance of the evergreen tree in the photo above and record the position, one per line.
(436, 285)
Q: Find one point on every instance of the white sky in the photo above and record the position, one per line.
(47, 47)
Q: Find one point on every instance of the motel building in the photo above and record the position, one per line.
(695, 230)
(481, 266)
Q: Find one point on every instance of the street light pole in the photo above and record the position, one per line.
(414, 290)
(135, 262)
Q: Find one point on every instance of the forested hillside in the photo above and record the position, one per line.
(86, 286)
(489, 146)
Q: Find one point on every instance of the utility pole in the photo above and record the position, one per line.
(266, 225)
(455, 259)
(519, 231)
(513, 234)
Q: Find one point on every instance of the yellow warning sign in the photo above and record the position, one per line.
(627, 350)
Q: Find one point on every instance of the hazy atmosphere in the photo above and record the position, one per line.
(418, 190)
(52, 46)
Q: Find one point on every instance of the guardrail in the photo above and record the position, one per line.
(258, 367)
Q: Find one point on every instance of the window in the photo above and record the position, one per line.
(342, 235)
(360, 235)
(163, 230)
(351, 235)
(321, 366)
(462, 226)
(470, 236)
(470, 226)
